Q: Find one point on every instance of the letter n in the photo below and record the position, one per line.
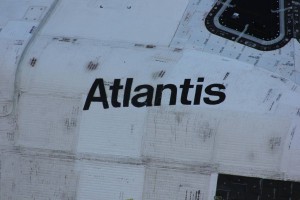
(98, 83)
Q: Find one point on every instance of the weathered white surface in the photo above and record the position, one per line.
(45, 126)
(163, 184)
(51, 149)
(145, 22)
(19, 21)
(110, 181)
(96, 128)
(27, 175)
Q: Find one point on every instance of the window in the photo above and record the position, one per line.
(260, 24)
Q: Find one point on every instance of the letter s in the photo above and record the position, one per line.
(220, 94)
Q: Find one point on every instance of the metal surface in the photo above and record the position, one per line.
(51, 53)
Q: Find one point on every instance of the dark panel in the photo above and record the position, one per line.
(232, 187)
(262, 20)
(261, 24)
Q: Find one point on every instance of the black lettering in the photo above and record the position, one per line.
(220, 94)
(198, 92)
(115, 91)
(185, 90)
(127, 92)
(149, 96)
(214, 92)
(159, 91)
(98, 83)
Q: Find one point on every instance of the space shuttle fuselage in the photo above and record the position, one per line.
(149, 100)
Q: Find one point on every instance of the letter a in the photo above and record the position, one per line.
(98, 83)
